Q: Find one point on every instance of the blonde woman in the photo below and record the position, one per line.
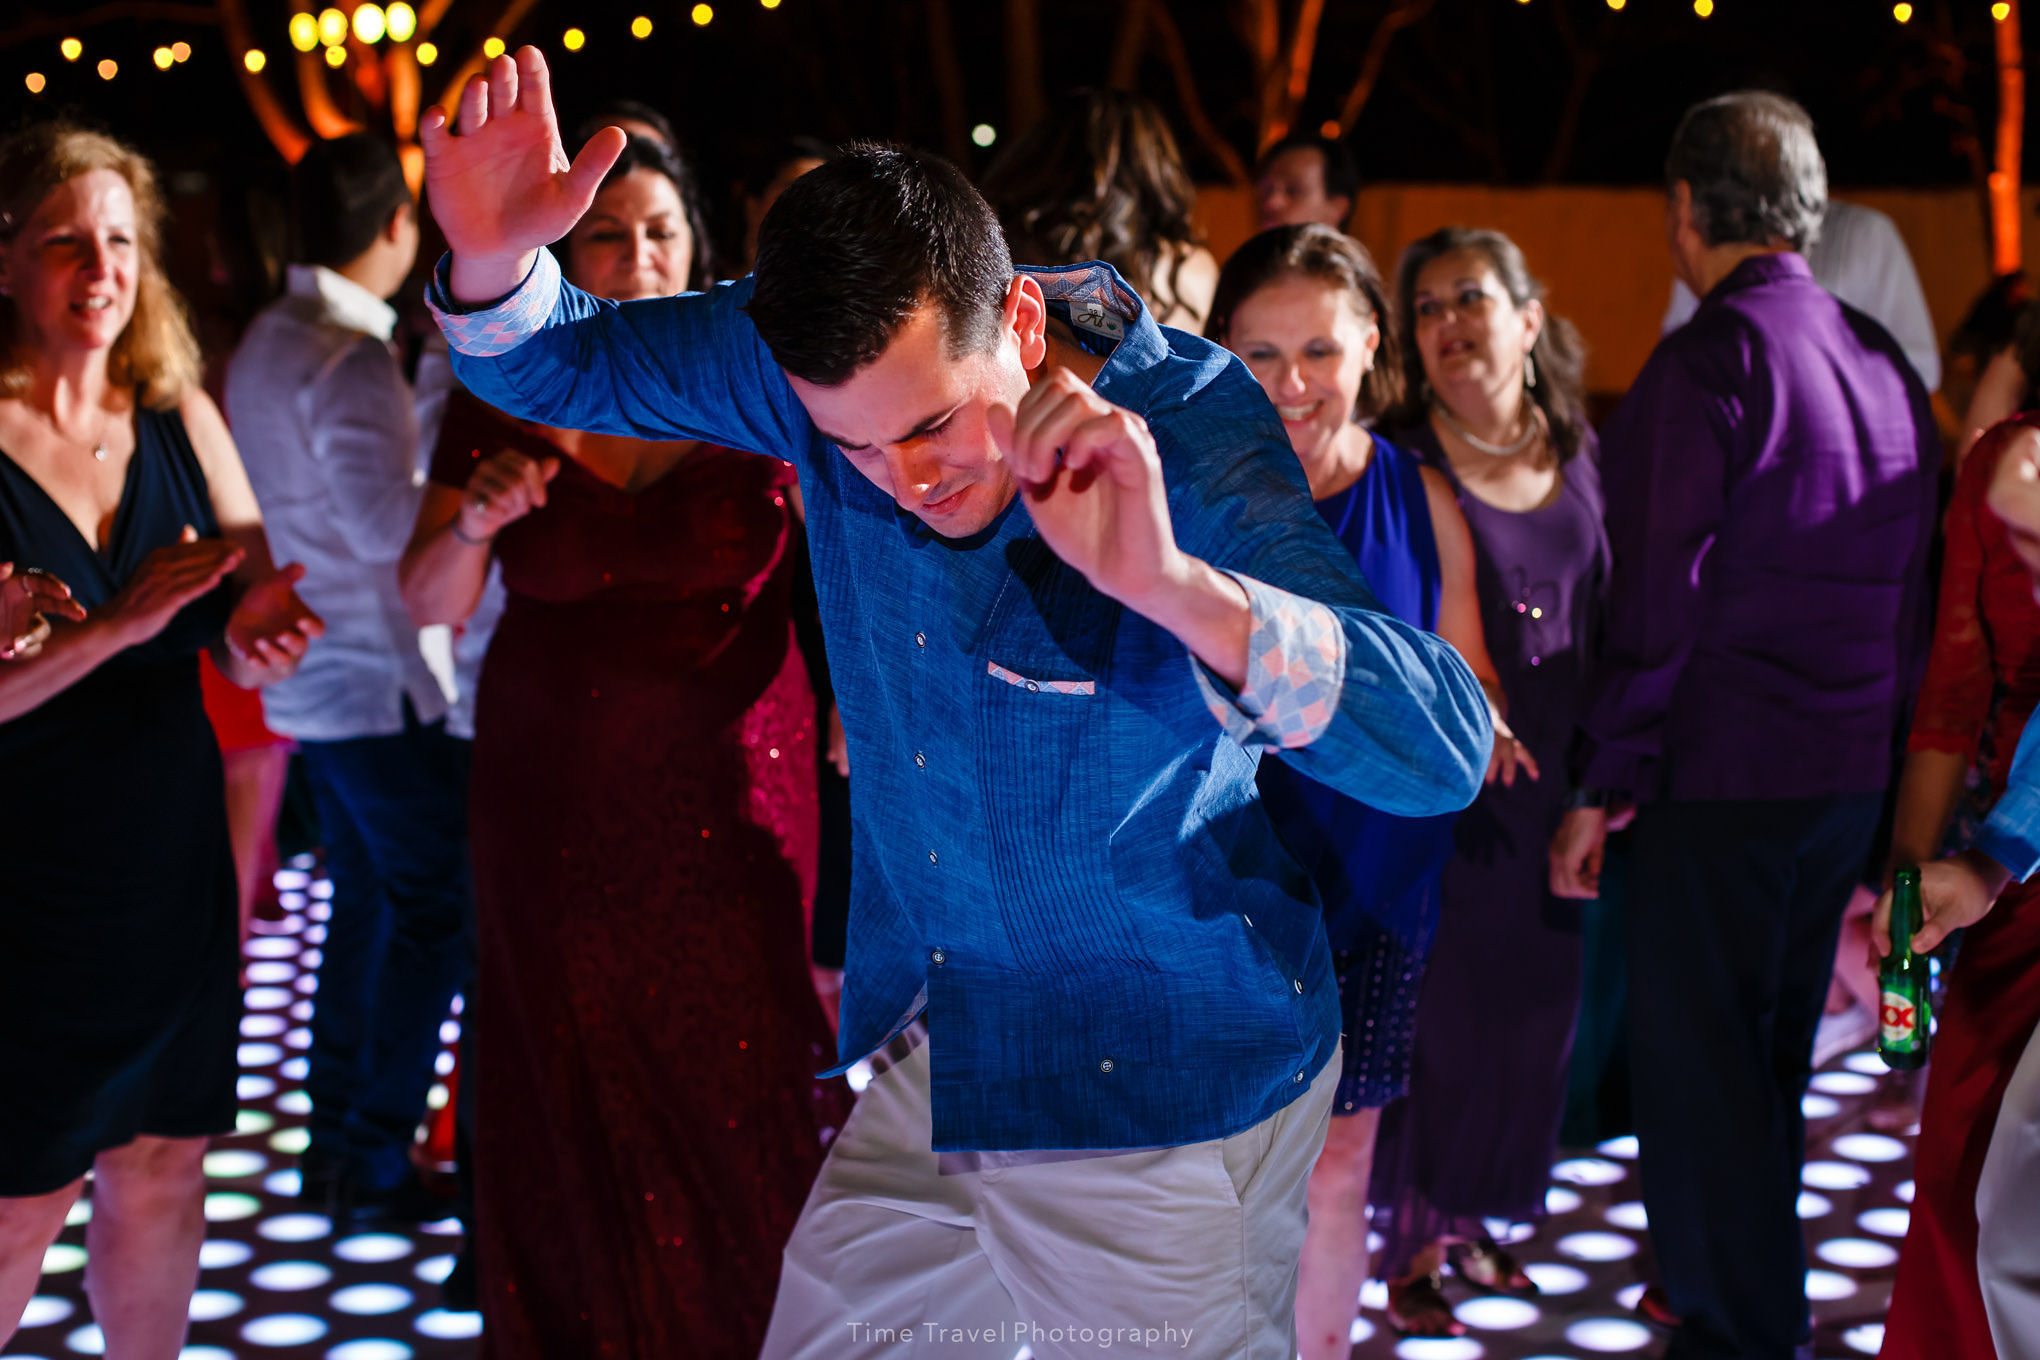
(118, 1003)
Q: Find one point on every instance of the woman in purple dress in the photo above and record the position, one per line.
(1495, 405)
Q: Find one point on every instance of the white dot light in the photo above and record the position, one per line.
(434, 1269)
(1553, 1278)
(1624, 1147)
(295, 1227)
(62, 1258)
(271, 972)
(220, 1254)
(264, 999)
(1630, 1216)
(1439, 1348)
(293, 1069)
(284, 1184)
(1814, 1206)
(1362, 1330)
(1629, 1295)
(445, 1227)
(1867, 1339)
(79, 1212)
(210, 1305)
(1819, 1107)
(1903, 1192)
(87, 1340)
(1856, 1253)
(253, 1121)
(1374, 1295)
(1884, 1222)
(375, 1348)
(1869, 1064)
(270, 947)
(1869, 1147)
(372, 1300)
(1597, 1246)
(294, 1102)
(229, 1163)
(1497, 1314)
(259, 1055)
(444, 1326)
(1834, 1176)
(230, 1208)
(291, 1142)
(46, 1310)
(264, 1026)
(206, 1353)
(1825, 1286)
(1559, 1200)
(251, 1087)
(1608, 1335)
(367, 1248)
(1844, 1083)
(284, 1329)
(1587, 1171)
(984, 134)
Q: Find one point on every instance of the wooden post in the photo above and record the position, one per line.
(2011, 117)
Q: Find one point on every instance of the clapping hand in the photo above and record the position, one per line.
(270, 628)
(27, 601)
(503, 490)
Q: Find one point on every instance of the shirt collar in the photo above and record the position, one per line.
(1758, 270)
(346, 302)
(1105, 312)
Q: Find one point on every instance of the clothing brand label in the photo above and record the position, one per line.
(1898, 1021)
(1092, 317)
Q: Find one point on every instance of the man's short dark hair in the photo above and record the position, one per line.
(1754, 168)
(851, 250)
(343, 192)
(1342, 169)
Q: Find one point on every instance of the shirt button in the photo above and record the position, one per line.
(1299, 986)
(932, 858)
(920, 761)
(1105, 1066)
(920, 639)
(938, 958)
(1033, 688)
(1299, 1076)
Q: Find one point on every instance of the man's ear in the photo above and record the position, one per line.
(394, 228)
(1026, 317)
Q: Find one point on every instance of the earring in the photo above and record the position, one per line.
(1529, 371)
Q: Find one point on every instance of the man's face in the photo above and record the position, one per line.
(913, 420)
(1292, 192)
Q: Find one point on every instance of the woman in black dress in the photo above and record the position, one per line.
(119, 1006)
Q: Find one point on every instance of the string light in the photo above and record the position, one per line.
(769, 4)
(1330, 130)
(368, 24)
(573, 39)
(2001, 11)
(984, 134)
(254, 60)
(35, 82)
(1617, 4)
(1703, 8)
(332, 27)
(641, 27)
(493, 48)
(1902, 12)
(180, 51)
(701, 14)
(108, 68)
(428, 53)
(401, 21)
(164, 61)
(336, 57)
(304, 32)
(71, 48)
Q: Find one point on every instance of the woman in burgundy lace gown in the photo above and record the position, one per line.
(643, 827)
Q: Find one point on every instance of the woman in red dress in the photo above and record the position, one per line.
(643, 822)
(1986, 647)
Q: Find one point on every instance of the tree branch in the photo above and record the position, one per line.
(283, 131)
(1405, 13)
(1025, 100)
(948, 81)
(1302, 52)
(1127, 43)
(1163, 26)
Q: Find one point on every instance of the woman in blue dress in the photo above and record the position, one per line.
(1304, 307)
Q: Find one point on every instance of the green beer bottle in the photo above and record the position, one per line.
(1905, 1032)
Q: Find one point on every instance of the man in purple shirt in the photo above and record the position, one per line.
(1770, 490)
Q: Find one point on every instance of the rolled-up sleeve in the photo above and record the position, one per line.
(1296, 669)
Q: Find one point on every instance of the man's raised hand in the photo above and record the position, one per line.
(500, 182)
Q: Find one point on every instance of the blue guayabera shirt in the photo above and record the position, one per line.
(2011, 836)
(1058, 848)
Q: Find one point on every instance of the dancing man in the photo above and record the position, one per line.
(1073, 585)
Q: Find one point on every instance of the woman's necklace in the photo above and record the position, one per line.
(1509, 450)
(98, 445)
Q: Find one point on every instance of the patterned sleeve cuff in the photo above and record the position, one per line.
(484, 332)
(2010, 834)
(1296, 668)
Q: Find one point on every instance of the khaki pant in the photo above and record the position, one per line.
(2008, 1216)
(1184, 1251)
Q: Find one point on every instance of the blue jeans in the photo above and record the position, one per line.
(394, 813)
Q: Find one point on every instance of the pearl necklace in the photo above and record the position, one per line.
(1531, 430)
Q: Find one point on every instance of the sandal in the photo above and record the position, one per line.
(1418, 1307)
(1489, 1268)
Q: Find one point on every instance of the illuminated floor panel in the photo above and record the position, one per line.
(278, 1281)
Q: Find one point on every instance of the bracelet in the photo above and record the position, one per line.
(471, 542)
(1586, 798)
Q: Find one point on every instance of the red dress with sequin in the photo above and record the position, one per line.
(644, 824)
(1986, 643)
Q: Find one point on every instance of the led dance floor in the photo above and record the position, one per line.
(278, 1282)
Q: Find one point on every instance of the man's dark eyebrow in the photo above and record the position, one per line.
(926, 425)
